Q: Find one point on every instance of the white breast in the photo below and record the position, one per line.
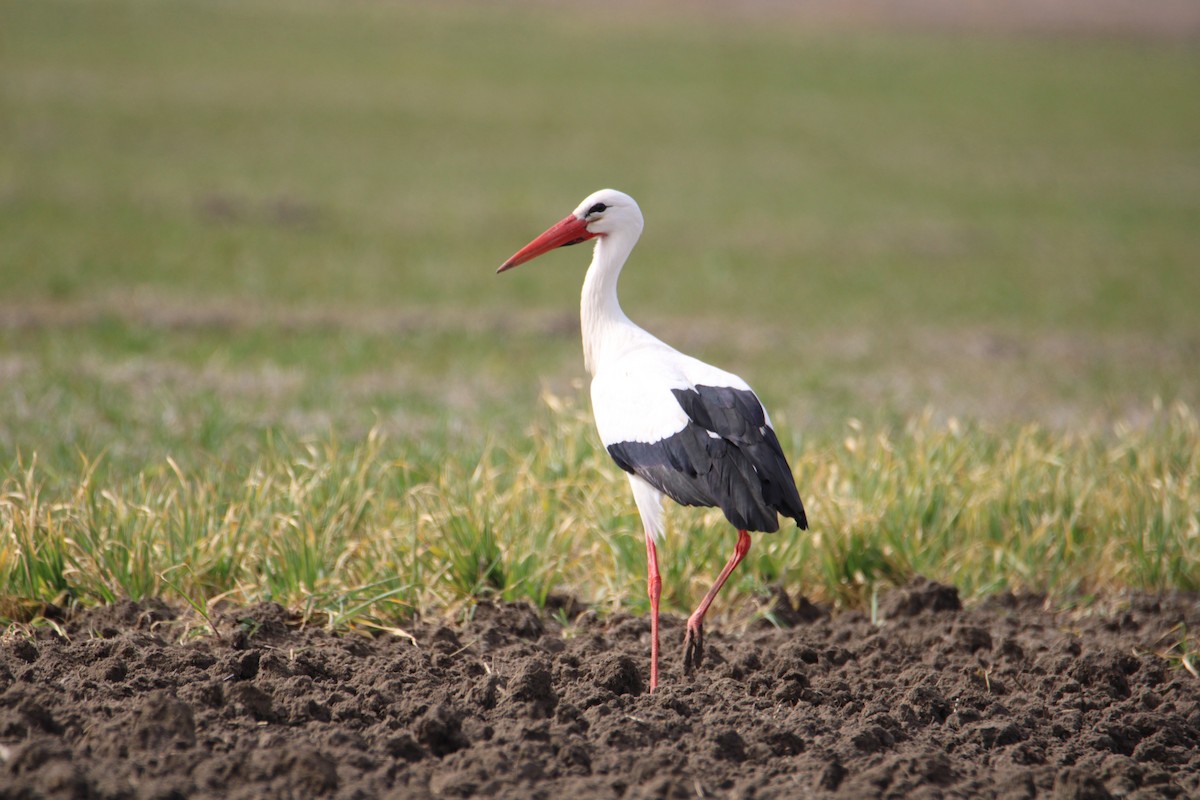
(632, 395)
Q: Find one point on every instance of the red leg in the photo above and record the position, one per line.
(654, 589)
(693, 642)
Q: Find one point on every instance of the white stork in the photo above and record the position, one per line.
(678, 426)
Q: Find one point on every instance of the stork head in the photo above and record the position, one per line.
(601, 213)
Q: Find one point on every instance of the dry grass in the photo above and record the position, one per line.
(357, 534)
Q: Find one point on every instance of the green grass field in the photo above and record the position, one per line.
(252, 345)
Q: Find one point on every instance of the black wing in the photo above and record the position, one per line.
(726, 456)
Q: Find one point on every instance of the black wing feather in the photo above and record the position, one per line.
(738, 467)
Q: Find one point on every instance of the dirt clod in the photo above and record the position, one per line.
(619, 674)
(921, 596)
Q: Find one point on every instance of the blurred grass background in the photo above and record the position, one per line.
(232, 232)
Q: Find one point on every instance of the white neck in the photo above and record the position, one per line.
(600, 315)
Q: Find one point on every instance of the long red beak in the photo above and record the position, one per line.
(571, 230)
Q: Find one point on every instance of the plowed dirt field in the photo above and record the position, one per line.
(1005, 700)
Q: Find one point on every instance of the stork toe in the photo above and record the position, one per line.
(693, 647)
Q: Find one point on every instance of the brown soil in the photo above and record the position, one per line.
(1004, 700)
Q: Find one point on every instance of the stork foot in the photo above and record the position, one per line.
(693, 647)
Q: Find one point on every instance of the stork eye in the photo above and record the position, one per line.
(596, 209)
